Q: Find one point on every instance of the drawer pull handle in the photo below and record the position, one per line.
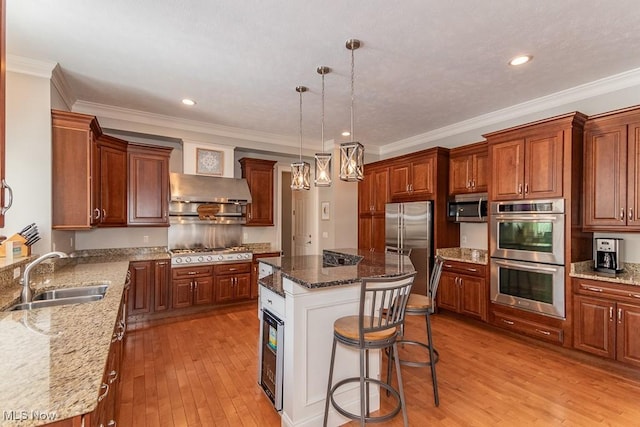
(508, 322)
(473, 270)
(591, 288)
(543, 332)
(113, 375)
(634, 295)
(448, 265)
(269, 301)
(192, 273)
(104, 387)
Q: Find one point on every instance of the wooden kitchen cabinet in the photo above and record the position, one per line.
(469, 169)
(113, 181)
(140, 292)
(259, 176)
(411, 178)
(148, 185)
(463, 289)
(373, 194)
(606, 320)
(527, 162)
(612, 171)
(192, 286)
(162, 285)
(232, 282)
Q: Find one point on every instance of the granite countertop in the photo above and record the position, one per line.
(320, 271)
(463, 255)
(584, 270)
(52, 359)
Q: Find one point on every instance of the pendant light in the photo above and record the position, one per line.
(352, 153)
(300, 170)
(323, 160)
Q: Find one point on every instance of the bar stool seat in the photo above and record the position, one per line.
(418, 303)
(376, 327)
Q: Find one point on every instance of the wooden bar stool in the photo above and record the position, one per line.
(377, 326)
(423, 305)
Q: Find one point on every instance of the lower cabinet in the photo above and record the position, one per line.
(149, 290)
(161, 285)
(192, 286)
(232, 282)
(463, 289)
(606, 321)
(255, 273)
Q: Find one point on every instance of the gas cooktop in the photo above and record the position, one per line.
(203, 256)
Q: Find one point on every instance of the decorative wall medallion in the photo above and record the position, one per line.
(209, 162)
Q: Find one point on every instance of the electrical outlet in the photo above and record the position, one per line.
(16, 272)
(145, 239)
(463, 239)
(71, 241)
(325, 235)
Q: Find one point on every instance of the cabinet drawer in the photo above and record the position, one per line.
(527, 327)
(464, 268)
(273, 302)
(244, 267)
(184, 272)
(599, 288)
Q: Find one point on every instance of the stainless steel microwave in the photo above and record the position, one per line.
(468, 208)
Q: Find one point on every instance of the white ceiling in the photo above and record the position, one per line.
(423, 64)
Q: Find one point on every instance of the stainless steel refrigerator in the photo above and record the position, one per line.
(410, 225)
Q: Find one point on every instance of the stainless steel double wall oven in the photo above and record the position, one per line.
(527, 255)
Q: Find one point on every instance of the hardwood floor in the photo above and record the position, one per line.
(201, 371)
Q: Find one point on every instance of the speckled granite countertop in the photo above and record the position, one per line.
(463, 255)
(584, 270)
(52, 359)
(319, 271)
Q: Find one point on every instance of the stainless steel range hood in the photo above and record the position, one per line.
(208, 189)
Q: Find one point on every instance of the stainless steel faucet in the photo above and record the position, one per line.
(27, 294)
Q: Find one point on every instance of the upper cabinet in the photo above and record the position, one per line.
(75, 171)
(411, 177)
(468, 169)
(113, 181)
(527, 162)
(612, 171)
(148, 185)
(259, 176)
(373, 195)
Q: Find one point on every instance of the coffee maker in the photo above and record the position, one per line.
(607, 253)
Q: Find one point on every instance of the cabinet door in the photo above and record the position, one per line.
(140, 291)
(594, 327)
(460, 169)
(507, 163)
(421, 184)
(543, 166)
(259, 176)
(605, 188)
(633, 177)
(224, 289)
(202, 290)
(448, 291)
(242, 286)
(380, 190)
(365, 189)
(627, 339)
(473, 296)
(113, 184)
(162, 279)
(480, 178)
(377, 233)
(148, 187)
(181, 293)
(364, 232)
(399, 180)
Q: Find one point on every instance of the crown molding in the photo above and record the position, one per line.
(163, 121)
(62, 86)
(588, 90)
(32, 67)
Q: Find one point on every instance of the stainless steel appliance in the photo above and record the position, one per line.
(204, 256)
(527, 241)
(271, 357)
(468, 208)
(528, 230)
(607, 255)
(410, 226)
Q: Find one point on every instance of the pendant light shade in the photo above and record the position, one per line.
(323, 160)
(352, 153)
(300, 170)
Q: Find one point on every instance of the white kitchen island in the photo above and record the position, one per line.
(316, 290)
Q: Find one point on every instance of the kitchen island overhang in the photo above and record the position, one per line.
(315, 291)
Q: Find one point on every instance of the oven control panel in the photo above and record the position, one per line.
(195, 259)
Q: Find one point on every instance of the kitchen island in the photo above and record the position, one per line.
(314, 291)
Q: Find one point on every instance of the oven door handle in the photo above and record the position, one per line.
(524, 266)
(537, 218)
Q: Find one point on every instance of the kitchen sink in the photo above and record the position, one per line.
(55, 302)
(55, 294)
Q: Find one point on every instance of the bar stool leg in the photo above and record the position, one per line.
(432, 359)
(326, 404)
(363, 399)
(396, 357)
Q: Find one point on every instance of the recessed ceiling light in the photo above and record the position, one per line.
(189, 102)
(521, 59)
(346, 133)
